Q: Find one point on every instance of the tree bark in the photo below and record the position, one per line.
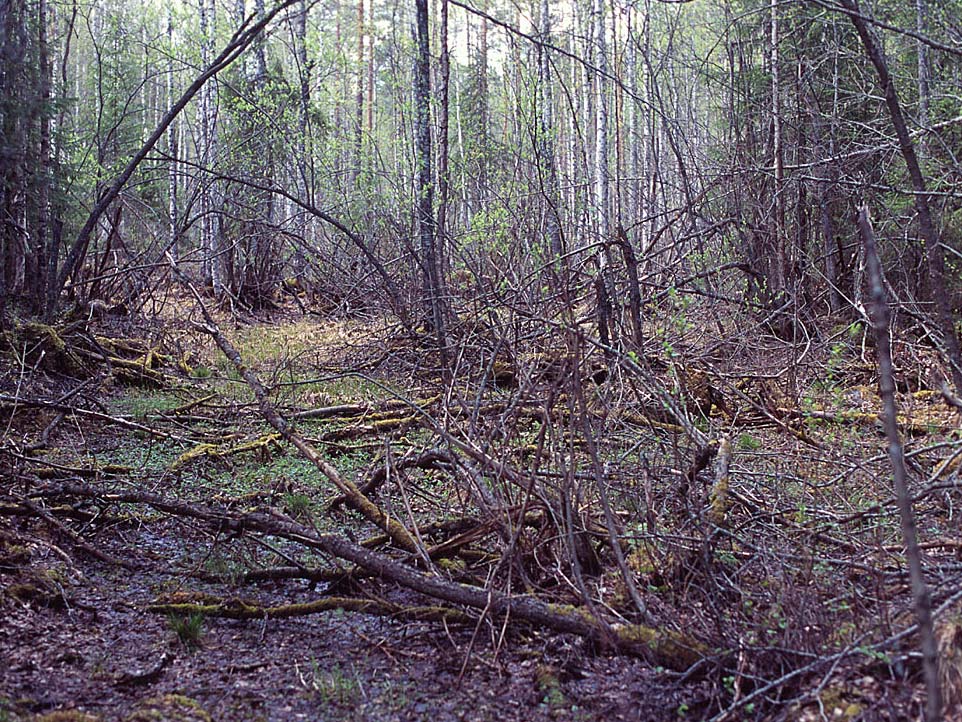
(208, 129)
(47, 245)
(602, 181)
(427, 225)
(921, 13)
(172, 185)
(778, 226)
(444, 173)
(359, 94)
(546, 142)
(303, 119)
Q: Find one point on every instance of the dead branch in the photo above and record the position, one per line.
(73, 537)
(234, 608)
(13, 403)
(430, 459)
(666, 647)
(397, 531)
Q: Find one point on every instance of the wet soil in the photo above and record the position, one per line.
(89, 645)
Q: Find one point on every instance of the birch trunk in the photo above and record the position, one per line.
(172, 184)
(546, 142)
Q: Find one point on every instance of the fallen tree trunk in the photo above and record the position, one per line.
(234, 608)
(664, 647)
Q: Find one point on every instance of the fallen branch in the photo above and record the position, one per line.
(392, 527)
(219, 451)
(430, 459)
(347, 411)
(665, 647)
(74, 537)
(235, 608)
(906, 423)
(12, 403)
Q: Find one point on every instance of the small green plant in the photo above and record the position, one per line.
(729, 682)
(202, 372)
(334, 687)
(225, 567)
(142, 405)
(298, 505)
(552, 696)
(189, 629)
(747, 442)
(874, 654)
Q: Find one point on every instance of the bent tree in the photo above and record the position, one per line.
(234, 49)
(935, 257)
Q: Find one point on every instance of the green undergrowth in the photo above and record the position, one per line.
(141, 404)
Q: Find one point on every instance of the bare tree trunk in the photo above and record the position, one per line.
(208, 244)
(172, 185)
(370, 68)
(652, 165)
(444, 175)
(635, 133)
(602, 182)
(260, 48)
(482, 98)
(303, 119)
(634, 289)
(922, 50)
(47, 244)
(359, 95)
(833, 257)
(617, 70)
(778, 227)
(830, 249)
(913, 557)
(933, 248)
(427, 225)
(546, 143)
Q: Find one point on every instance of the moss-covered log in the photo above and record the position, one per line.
(663, 646)
(245, 609)
(261, 444)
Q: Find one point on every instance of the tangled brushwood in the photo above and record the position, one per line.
(707, 520)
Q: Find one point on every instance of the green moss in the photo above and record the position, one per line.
(549, 688)
(837, 706)
(667, 647)
(66, 715)
(169, 708)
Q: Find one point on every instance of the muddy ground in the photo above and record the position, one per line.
(88, 645)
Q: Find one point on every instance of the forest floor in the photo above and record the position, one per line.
(84, 584)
